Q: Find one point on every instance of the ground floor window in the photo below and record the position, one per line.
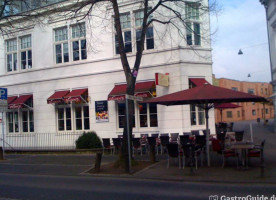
(197, 115)
(148, 115)
(73, 116)
(24, 117)
(121, 107)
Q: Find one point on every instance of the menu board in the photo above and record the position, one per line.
(101, 108)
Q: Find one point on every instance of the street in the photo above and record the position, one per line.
(31, 187)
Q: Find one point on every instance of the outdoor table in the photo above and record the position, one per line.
(243, 147)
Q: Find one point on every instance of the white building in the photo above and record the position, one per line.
(57, 73)
(270, 8)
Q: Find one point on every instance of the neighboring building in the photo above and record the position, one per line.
(248, 110)
(270, 8)
(59, 84)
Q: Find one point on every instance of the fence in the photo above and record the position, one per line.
(41, 141)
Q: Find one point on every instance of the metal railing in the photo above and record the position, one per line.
(41, 141)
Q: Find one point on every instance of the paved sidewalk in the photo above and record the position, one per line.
(76, 164)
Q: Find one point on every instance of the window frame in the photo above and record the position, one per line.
(13, 56)
(197, 112)
(62, 43)
(13, 122)
(78, 39)
(25, 50)
(148, 114)
(82, 117)
(29, 121)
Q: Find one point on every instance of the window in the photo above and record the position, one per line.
(79, 42)
(139, 16)
(253, 112)
(26, 52)
(121, 115)
(82, 118)
(193, 36)
(27, 121)
(64, 119)
(250, 91)
(266, 91)
(12, 122)
(266, 111)
(262, 90)
(234, 88)
(61, 45)
(148, 115)
(192, 11)
(229, 114)
(11, 55)
(197, 115)
(238, 113)
(126, 32)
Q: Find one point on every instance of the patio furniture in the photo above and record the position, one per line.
(174, 137)
(243, 147)
(117, 142)
(136, 145)
(257, 152)
(120, 136)
(189, 153)
(155, 135)
(230, 126)
(144, 142)
(107, 145)
(226, 153)
(187, 133)
(221, 138)
(173, 152)
(205, 132)
(164, 140)
(185, 139)
(239, 136)
(164, 134)
(200, 146)
(195, 132)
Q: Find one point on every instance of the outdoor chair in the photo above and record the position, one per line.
(120, 136)
(107, 145)
(187, 133)
(164, 134)
(257, 152)
(174, 137)
(185, 139)
(136, 145)
(144, 142)
(239, 136)
(204, 132)
(230, 126)
(189, 153)
(164, 140)
(200, 146)
(117, 142)
(195, 132)
(173, 152)
(155, 135)
(226, 153)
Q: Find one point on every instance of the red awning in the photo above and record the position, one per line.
(226, 106)
(20, 101)
(57, 97)
(76, 95)
(142, 89)
(198, 81)
(12, 99)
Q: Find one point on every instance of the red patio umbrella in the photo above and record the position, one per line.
(205, 96)
(225, 106)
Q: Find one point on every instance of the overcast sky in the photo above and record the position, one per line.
(241, 24)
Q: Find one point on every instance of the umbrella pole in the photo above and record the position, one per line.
(207, 134)
(221, 115)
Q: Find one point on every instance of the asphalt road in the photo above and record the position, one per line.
(74, 188)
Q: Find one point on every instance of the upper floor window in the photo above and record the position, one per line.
(61, 45)
(192, 11)
(79, 42)
(125, 21)
(193, 36)
(234, 88)
(26, 52)
(139, 16)
(250, 91)
(11, 55)
(229, 114)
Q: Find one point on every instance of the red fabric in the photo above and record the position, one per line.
(205, 94)
(216, 145)
(226, 106)
(198, 81)
(76, 93)
(57, 97)
(139, 87)
(11, 99)
(254, 153)
(20, 101)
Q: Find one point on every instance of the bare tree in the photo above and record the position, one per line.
(169, 13)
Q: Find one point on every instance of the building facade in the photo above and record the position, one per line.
(247, 110)
(270, 8)
(66, 77)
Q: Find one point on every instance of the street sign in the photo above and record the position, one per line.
(4, 93)
(134, 98)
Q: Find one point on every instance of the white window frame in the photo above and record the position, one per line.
(13, 122)
(117, 115)
(125, 28)
(79, 39)
(82, 116)
(26, 50)
(13, 53)
(28, 120)
(197, 112)
(148, 114)
(62, 42)
(64, 117)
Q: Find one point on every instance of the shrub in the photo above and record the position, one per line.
(89, 140)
